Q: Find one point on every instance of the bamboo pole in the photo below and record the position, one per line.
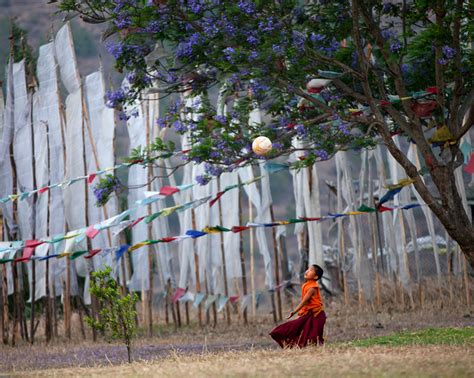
(224, 267)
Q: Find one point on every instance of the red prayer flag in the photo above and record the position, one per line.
(91, 178)
(91, 232)
(28, 250)
(382, 208)
(92, 253)
(168, 190)
(469, 168)
(214, 200)
(309, 219)
(167, 240)
(236, 229)
(384, 102)
(432, 90)
(178, 294)
(42, 190)
(234, 299)
(136, 222)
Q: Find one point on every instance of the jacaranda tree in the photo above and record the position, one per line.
(382, 68)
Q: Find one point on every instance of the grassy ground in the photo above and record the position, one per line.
(446, 352)
(345, 328)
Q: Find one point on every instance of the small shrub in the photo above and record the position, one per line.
(117, 312)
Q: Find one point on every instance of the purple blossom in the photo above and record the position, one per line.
(323, 155)
(115, 98)
(203, 179)
(388, 34)
(253, 56)
(299, 40)
(179, 126)
(153, 27)
(395, 47)
(251, 39)
(161, 122)
(246, 7)
(448, 52)
(344, 128)
(278, 50)
(229, 54)
(301, 131)
(443, 61)
(196, 6)
(211, 29)
(123, 21)
(387, 7)
(316, 38)
(212, 170)
(222, 119)
(268, 25)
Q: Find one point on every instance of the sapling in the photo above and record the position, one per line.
(117, 311)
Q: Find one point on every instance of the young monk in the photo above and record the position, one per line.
(309, 327)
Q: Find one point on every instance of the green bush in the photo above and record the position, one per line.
(117, 312)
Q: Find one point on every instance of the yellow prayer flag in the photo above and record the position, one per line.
(210, 230)
(404, 182)
(138, 245)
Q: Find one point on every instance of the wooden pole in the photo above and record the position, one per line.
(15, 303)
(405, 261)
(242, 259)
(33, 263)
(16, 289)
(67, 300)
(224, 268)
(379, 235)
(47, 300)
(466, 281)
(149, 293)
(4, 309)
(277, 266)
(252, 264)
(186, 308)
(342, 251)
(196, 270)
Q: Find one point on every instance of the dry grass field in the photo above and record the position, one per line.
(430, 342)
(412, 359)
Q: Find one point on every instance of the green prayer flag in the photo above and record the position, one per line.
(76, 254)
(294, 220)
(366, 209)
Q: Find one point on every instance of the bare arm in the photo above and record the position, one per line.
(305, 300)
